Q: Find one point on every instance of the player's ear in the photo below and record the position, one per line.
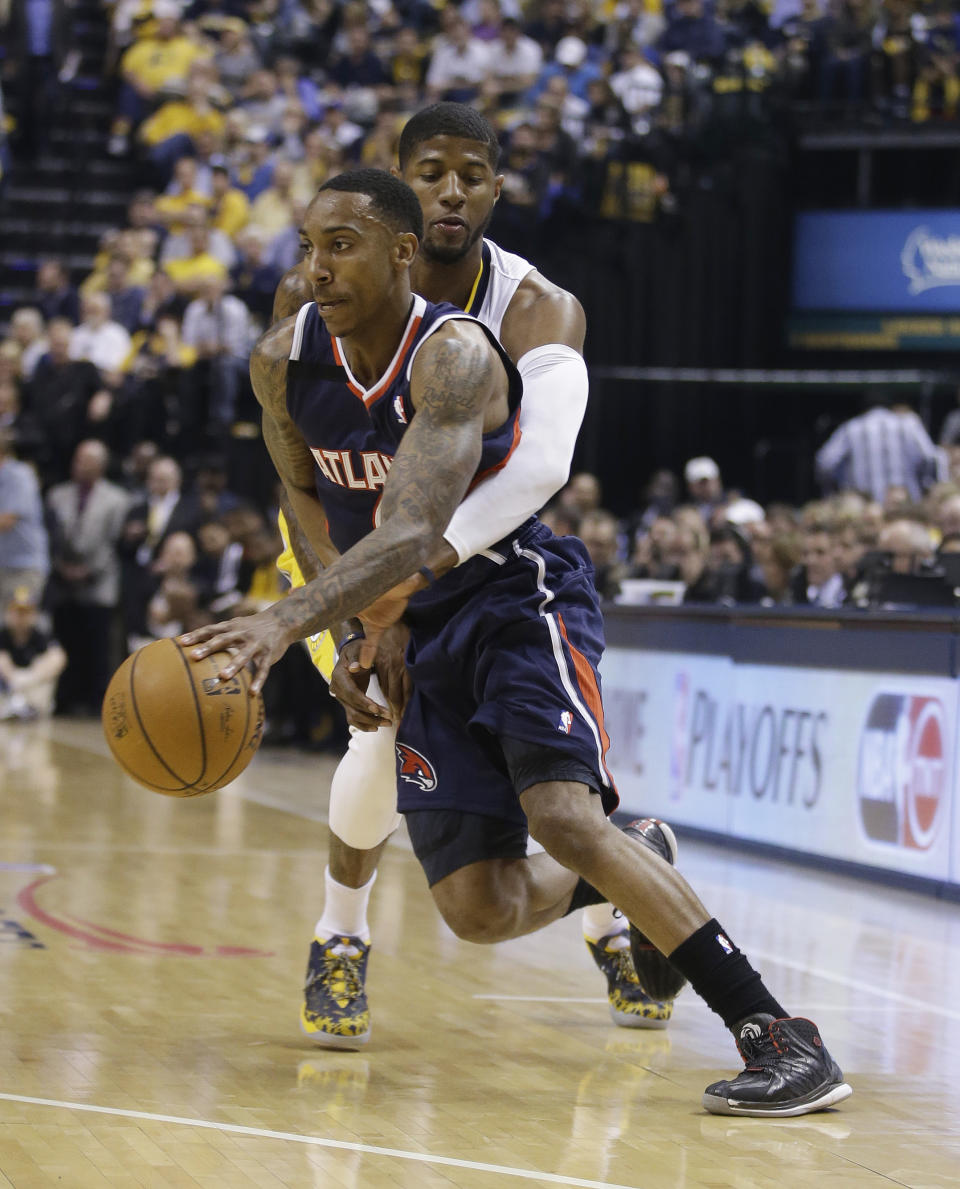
(497, 187)
(406, 246)
(395, 170)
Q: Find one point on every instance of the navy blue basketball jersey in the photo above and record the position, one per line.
(353, 432)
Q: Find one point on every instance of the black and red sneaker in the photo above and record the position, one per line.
(661, 980)
(788, 1072)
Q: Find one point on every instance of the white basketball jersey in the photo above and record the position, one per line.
(499, 278)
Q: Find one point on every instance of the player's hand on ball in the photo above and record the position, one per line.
(257, 640)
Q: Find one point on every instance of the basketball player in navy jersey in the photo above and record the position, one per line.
(448, 154)
(388, 408)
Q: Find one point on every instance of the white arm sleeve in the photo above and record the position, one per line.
(554, 401)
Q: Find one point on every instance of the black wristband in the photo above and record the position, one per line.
(349, 638)
(428, 574)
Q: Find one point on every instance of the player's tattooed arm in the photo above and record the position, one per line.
(459, 389)
(290, 454)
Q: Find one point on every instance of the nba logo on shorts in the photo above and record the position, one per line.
(902, 771)
(566, 722)
(415, 768)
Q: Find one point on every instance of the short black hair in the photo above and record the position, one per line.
(392, 199)
(448, 119)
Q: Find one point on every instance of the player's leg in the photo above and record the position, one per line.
(363, 814)
(789, 1070)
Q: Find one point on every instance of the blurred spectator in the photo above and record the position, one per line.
(59, 397)
(235, 58)
(26, 329)
(883, 447)
(726, 577)
(217, 325)
(30, 661)
(598, 531)
(654, 554)
(99, 339)
(24, 551)
(639, 87)
(459, 64)
(571, 62)
(272, 211)
(199, 233)
(126, 300)
(694, 31)
(199, 264)
(39, 54)
(781, 558)
(163, 399)
(818, 582)
(515, 63)
(229, 207)
(187, 190)
(174, 605)
(909, 544)
(259, 269)
(704, 487)
(582, 494)
(358, 65)
(55, 296)
(219, 569)
(847, 41)
(86, 517)
(164, 56)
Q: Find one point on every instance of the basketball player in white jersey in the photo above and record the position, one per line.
(448, 154)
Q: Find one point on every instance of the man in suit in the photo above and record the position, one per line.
(167, 509)
(86, 517)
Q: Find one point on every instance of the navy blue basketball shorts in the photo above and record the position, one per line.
(505, 647)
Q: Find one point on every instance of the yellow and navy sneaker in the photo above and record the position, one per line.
(335, 1014)
(630, 1005)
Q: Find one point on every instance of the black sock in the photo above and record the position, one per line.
(583, 894)
(721, 975)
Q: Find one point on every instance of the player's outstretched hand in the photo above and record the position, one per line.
(348, 684)
(256, 640)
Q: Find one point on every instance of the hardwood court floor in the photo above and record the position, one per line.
(149, 989)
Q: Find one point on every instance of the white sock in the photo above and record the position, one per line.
(599, 921)
(345, 909)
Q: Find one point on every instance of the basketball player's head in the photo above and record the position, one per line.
(359, 236)
(449, 153)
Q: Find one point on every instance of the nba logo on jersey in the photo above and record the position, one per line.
(415, 768)
(565, 723)
(398, 408)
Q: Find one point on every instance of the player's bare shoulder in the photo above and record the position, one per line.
(540, 312)
(268, 365)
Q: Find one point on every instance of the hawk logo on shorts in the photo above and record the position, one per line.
(415, 769)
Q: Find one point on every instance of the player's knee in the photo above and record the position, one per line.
(476, 910)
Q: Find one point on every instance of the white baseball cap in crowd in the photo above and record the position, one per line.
(701, 468)
(570, 51)
(743, 511)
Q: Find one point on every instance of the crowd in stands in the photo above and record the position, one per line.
(125, 401)
(886, 532)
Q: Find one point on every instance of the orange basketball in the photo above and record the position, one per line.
(174, 727)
